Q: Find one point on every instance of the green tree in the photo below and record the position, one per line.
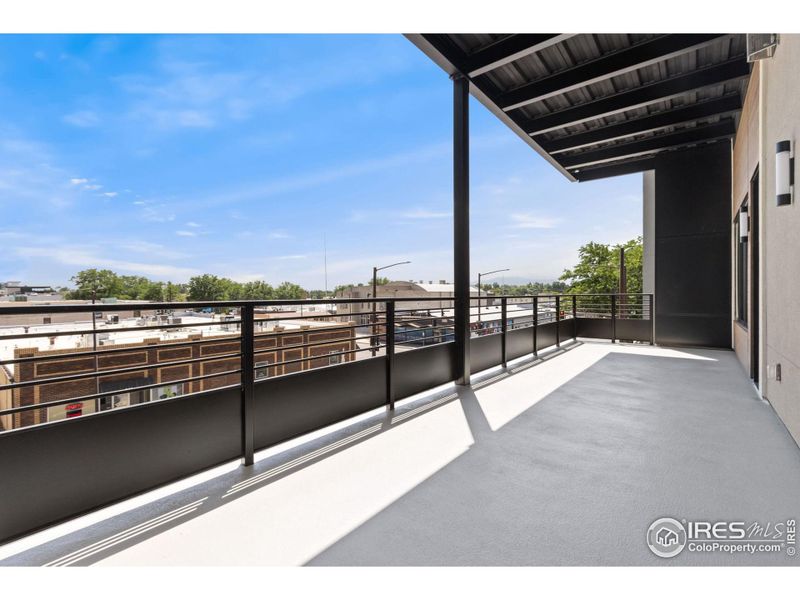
(133, 287)
(257, 290)
(289, 291)
(175, 293)
(597, 271)
(104, 283)
(207, 287)
(154, 292)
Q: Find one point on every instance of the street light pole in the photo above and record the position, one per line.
(479, 288)
(373, 340)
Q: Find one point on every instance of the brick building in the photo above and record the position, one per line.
(301, 344)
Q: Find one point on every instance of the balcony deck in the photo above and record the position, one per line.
(563, 460)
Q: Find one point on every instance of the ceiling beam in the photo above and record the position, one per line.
(718, 107)
(508, 50)
(611, 65)
(433, 48)
(626, 168)
(736, 68)
(652, 144)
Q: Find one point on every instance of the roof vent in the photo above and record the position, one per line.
(761, 45)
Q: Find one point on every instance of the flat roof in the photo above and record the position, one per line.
(598, 105)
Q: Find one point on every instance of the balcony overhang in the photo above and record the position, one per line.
(598, 105)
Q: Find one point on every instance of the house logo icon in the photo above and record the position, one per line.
(666, 537)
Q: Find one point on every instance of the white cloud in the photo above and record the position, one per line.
(532, 221)
(87, 257)
(151, 249)
(110, 194)
(293, 257)
(82, 118)
(78, 181)
(192, 224)
(421, 213)
(92, 186)
(156, 213)
(278, 235)
(185, 233)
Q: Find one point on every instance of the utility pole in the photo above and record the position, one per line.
(373, 340)
(479, 288)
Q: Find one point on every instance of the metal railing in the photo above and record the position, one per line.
(244, 335)
(245, 341)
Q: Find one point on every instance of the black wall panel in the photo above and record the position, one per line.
(54, 471)
(519, 342)
(545, 335)
(566, 329)
(692, 246)
(418, 370)
(594, 328)
(486, 351)
(292, 405)
(633, 329)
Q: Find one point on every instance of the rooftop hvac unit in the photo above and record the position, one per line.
(761, 45)
(113, 319)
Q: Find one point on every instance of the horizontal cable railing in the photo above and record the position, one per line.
(63, 370)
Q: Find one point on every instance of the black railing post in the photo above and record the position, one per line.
(652, 320)
(613, 318)
(535, 324)
(574, 317)
(558, 321)
(248, 383)
(390, 354)
(504, 328)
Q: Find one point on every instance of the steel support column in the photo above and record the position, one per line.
(248, 383)
(461, 225)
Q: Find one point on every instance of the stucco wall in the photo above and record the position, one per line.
(745, 162)
(781, 247)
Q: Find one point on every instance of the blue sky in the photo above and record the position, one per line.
(169, 156)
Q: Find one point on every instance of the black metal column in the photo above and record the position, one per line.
(390, 320)
(613, 319)
(504, 329)
(461, 225)
(535, 325)
(248, 384)
(574, 317)
(558, 321)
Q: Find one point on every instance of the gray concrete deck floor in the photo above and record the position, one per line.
(561, 461)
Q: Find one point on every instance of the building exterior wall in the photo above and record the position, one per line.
(780, 82)
(395, 289)
(271, 347)
(746, 149)
(692, 246)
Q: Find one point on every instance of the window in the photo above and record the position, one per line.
(74, 410)
(741, 266)
(262, 369)
(168, 391)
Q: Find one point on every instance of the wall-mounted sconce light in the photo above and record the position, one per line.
(784, 172)
(743, 223)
